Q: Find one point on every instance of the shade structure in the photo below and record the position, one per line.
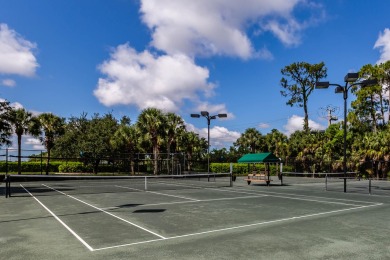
(259, 158)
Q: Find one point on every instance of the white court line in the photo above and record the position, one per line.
(242, 226)
(283, 195)
(59, 220)
(169, 195)
(199, 186)
(195, 201)
(184, 202)
(124, 220)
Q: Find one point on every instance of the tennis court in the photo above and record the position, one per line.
(190, 218)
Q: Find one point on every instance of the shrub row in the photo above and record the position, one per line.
(29, 166)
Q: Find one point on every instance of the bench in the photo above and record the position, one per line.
(257, 177)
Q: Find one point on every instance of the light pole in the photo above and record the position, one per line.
(348, 79)
(206, 114)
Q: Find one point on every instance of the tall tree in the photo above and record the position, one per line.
(96, 141)
(299, 82)
(384, 81)
(52, 127)
(5, 126)
(150, 123)
(371, 103)
(251, 141)
(126, 140)
(174, 126)
(22, 122)
(194, 147)
(69, 145)
(277, 143)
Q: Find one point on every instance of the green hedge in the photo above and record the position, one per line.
(74, 167)
(29, 167)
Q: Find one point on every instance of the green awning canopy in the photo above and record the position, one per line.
(259, 158)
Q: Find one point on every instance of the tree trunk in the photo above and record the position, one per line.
(155, 154)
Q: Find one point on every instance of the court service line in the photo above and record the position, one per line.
(304, 199)
(242, 226)
(108, 213)
(219, 199)
(169, 195)
(59, 220)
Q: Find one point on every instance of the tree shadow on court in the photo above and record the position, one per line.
(149, 211)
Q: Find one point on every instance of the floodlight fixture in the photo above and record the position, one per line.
(322, 85)
(206, 114)
(351, 77)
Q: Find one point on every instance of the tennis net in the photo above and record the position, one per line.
(18, 185)
(335, 182)
(328, 181)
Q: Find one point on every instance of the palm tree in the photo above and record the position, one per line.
(173, 127)
(251, 140)
(126, 139)
(192, 144)
(150, 123)
(277, 143)
(22, 122)
(52, 127)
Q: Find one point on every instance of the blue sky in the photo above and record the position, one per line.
(184, 56)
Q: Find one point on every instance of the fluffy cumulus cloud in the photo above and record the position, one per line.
(16, 53)
(219, 136)
(205, 27)
(295, 123)
(147, 80)
(181, 31)
(214, 109)
(383, 43)
(34, 143)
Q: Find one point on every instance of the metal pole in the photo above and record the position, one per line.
(345, 136)
(6, 161)
(369, 186)
(208, 145)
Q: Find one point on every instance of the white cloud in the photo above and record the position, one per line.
(34, 143)
(264, 125)
(16, 53)
(16, 105)
(295, 123)
(147, 80)
(219, 136)
(205, 27)
(214, 109)
(8, 83)
(383, 44)
(29, 143)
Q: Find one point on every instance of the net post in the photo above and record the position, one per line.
(326, 181)
(7, 187)
(280, 176)
(345, 184)
(146, 183)
(369, 186)
(231, 174)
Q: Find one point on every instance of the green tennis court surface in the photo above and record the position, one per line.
(191, 219)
